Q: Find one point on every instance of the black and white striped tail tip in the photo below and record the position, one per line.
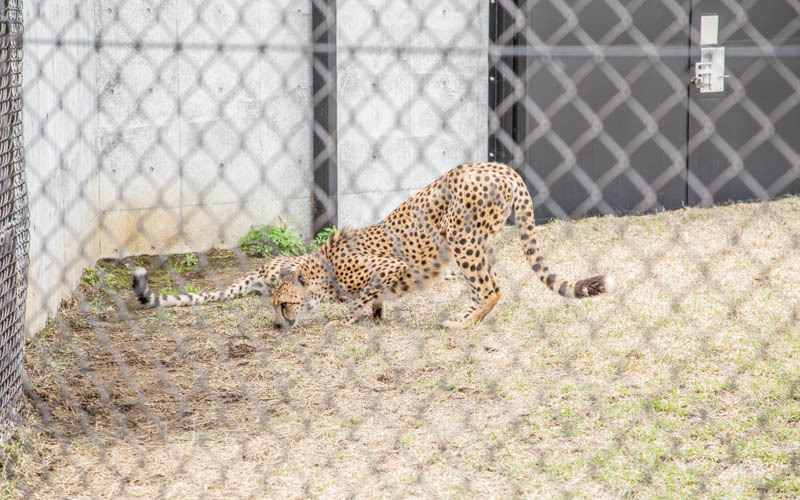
(595, 285)
(140, 284)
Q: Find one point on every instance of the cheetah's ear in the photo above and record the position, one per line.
(285, 273)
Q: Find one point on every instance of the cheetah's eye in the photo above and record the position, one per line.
(283, 306)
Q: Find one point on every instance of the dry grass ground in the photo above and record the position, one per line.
(684, 382)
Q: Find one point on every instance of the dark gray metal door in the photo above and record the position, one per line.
(605, 129)
(605, 118)
(744, 141)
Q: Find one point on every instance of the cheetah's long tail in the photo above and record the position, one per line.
(251, 283)
(523, 207)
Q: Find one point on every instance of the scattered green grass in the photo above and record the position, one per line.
(105, 276)
(102, 285)
(164, 315)
(19, 455)
(171, 290)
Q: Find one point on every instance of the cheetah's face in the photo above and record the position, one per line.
(292, 299)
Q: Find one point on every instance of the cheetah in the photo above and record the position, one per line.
(453, 218)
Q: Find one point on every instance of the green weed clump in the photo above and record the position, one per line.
(105, 276)
(183, 264)
(267, 240)
(284, 239)
(323, 236)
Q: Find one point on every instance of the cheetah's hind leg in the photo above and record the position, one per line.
(484, 289)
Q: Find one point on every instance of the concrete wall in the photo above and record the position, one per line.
(140, 147)
(198, 144)
(407, 109)
(148, 149)
(60, 154)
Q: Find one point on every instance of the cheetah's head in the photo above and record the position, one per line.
(294, 297)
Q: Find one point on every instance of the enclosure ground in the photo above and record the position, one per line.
(684, 381)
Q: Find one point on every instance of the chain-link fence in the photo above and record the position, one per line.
(201, 140)
(13, 219)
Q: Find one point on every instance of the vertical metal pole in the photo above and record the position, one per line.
(496, 27)
(511, 122)
(504, 120)
(323, 55)
(688, 105)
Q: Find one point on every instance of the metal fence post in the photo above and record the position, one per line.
(13, 218)
(323, 38)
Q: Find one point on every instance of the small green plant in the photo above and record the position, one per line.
(266, 241)
(323, 236)
(90, 277)
(184, 264)
(190, 260)
(191, 288)
(165, 316)
(100, 276)
(168, 290)
(111, 280)
(97, 306)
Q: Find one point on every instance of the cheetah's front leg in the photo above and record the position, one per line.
(378, 309)
(385, 273)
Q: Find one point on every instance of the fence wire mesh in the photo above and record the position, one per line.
(200, 140)
(13, 220)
